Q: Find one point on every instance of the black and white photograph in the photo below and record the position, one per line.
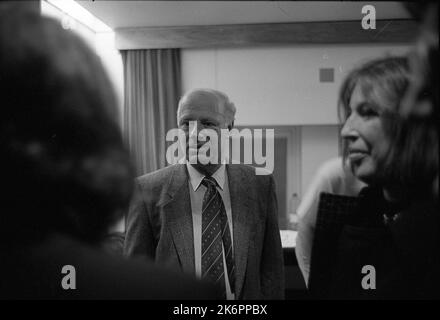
(219, 156)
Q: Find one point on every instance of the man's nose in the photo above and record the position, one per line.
(194, 129)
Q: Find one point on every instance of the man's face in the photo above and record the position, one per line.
(204, 112)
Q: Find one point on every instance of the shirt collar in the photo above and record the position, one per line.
(196, 177)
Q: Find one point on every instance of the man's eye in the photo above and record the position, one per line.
(208, 124)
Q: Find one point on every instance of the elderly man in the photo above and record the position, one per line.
(214, 220)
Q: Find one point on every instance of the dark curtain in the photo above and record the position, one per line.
(152, 88)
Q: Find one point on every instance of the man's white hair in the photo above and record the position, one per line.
(224, 106)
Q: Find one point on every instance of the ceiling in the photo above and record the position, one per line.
(129, 14)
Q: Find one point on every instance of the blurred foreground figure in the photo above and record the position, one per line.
(420, 104)
(66, 173)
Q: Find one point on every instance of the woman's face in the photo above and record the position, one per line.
(365, 137)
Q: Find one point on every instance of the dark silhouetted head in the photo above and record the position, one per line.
(64, 166)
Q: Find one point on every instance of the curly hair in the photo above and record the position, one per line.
(65, 167)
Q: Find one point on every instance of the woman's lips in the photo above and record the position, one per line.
(356, 155)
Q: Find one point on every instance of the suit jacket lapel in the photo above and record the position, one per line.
(241, 219)
(177, 209)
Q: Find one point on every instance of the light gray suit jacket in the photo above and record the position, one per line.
(160, 226)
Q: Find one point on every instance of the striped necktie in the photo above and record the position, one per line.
(215, 232)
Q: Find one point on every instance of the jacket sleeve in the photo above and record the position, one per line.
(139, 239)
(272, 264)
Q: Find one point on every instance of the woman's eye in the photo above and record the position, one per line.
(367, 111)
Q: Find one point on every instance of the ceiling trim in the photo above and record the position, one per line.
(334, 32)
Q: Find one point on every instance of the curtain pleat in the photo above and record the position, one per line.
(151, 93)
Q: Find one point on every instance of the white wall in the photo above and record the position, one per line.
(318, 144)
(277, 85)
(274, 86)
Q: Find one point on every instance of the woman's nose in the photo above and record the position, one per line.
(348, 130)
